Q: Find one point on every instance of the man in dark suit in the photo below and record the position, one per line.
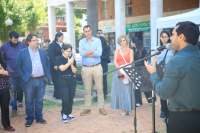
(34, 68)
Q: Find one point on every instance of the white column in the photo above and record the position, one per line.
(70, 24)
(52, 22)
(120, 20)
(156, 11)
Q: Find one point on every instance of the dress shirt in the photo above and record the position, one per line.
(60, 44)
(181, 80)
(95, 44)
(37, 69)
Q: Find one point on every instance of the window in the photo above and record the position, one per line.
(128, 4)
(41, 32)
(22, 34)
(60, 19)
(103, 9)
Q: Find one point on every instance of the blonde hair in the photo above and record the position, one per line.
(123, 36)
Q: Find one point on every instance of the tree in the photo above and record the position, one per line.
(26, 15)
(59, 12)
(79, 13)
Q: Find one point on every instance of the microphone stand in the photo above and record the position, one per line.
(153, 96)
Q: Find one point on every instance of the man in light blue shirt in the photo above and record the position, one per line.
(90, 49)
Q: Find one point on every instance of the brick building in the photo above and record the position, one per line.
(137, 18)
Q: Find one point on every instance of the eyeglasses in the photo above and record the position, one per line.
(164, 36)
(68, 51)
(34, 40)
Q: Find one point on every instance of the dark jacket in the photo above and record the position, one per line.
(54, 51)
(144, 53)
(106, 54)
(24, 64)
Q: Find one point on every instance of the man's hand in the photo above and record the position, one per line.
(152, 67)
(55, 67)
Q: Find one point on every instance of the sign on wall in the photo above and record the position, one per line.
(135, 27)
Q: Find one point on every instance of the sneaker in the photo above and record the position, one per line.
(71, 117)
(14, 113)
(9, 128)
(138, 105)
(42, 121)
(28, 124)
(20, 105)
(85, 112)
(64, 118)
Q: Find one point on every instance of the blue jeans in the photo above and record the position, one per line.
(14, 83)
(34, 91)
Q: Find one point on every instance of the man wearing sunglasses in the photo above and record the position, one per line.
(99, 33)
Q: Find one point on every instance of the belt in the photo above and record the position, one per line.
(182, 110)
(91, 65)
(68, 75)
(37, 77)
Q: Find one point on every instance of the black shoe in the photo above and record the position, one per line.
(28, 124)
(163, 114)
(42, 121)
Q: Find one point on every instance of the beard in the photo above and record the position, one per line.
(14, 44)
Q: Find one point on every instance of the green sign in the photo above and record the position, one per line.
(135, 27)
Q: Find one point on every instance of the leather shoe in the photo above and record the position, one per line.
(28, 124)
(42, 121)
(9, 128)
(102, 111)
(163, 114)
(85, 112)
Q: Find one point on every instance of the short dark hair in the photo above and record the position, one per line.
(13, 34)
(47, 40)
(66, 46)
(168, 34)
(29, 37)
(86, 26)
(190, 30)
(99, 30)
(59, 34)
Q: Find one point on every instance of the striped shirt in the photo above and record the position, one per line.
(37, 69)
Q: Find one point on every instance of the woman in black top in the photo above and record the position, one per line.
(67, 81)
(5, 72)
(139, 53)
(55, 51)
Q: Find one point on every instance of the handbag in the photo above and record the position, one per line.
(162, 63)
(127, 79)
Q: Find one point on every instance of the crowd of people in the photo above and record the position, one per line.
(26, 68)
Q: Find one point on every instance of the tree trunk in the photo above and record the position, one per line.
(92, 16)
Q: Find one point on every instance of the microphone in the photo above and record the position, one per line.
(167, 46)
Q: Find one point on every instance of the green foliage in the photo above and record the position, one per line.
(79, 13)
(59, 12)
(26, 15)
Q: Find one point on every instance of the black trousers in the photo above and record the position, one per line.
(164, 107)
(67, 90)
(147, 94)
(19, 94)
(183, 122)
(55, 79)
(105, 69)
(4, 103)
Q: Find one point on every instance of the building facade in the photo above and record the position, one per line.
(138, 15)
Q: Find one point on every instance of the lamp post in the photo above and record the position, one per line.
(9, 22)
